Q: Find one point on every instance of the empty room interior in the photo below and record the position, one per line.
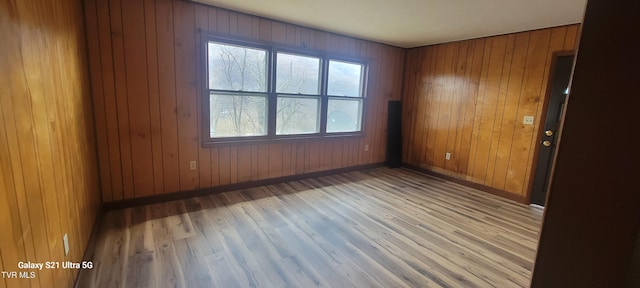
(216, 143)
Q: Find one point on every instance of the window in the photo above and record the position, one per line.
(237, 91)
(298, 89)
(260, 93)
(344, 88)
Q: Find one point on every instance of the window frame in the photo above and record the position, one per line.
(275, 51)
(272, 49)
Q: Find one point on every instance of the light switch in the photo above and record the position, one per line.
(528, 120)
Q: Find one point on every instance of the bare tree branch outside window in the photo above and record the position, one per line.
(241, 69)
(239, 92)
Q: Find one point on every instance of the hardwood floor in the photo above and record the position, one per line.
(377, 228)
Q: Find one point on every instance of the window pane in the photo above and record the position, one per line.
(237, 68)
(297, 74)
(237, 115)
(297, 115)
(344, 115)
(345, 79)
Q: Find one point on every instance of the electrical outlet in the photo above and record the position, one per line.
(192, 165)
(528, 120)
(366, 147)
(65, 243)
(447, 156)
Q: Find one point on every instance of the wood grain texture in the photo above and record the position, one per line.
(580, 248)
(469, 97)
(375, 228)
(150, 89)
(49, 180)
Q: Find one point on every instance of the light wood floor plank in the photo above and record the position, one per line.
(412, 241)
(377, 228)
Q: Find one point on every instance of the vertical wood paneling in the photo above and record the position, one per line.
(500, 59)
(336, 155)
(245, 25)
(500, 108)
(446, 85)
(375, 105)
(532, 92)
(278, 32)
(233, 23)
(471, 102)
(265, 29)
(93, 42)
(26, 84)
(154, 95)
(287, 159)
(422, 115)
(431, 116)
(326, 152)
(254, 162)
(204, 155)
(185, 57)
(122, 106)
(489, 107)
(408, 106)
(469, 98)
(465, 58)
(300, 157)
(263, 161)
(275, 160)
(572, 37)
(311, 157)
(12, 214)
(476, 141)
(509, 120)
(105, 63)
(215, 167)
(48, 174)
(244, 163)
(222, 20)
(167, 87)
(233, 164)
(224, 165)
(44, 145)
(138, 96)
(153, 91)
(378, 145)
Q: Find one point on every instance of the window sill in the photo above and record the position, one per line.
(210, 143)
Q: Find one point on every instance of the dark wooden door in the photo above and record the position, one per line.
(559, 86)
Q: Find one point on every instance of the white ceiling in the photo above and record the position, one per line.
(412, 23)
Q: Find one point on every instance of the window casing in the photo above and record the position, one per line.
(260, 93)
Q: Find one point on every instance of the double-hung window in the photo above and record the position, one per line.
(238, 86)
(262, 93)
(344, 90)
(298, 94)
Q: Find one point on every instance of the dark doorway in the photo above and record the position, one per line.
(558, 94)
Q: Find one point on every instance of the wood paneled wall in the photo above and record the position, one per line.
(469, 98)
(49, 181)
(146, 71)
(592, 218)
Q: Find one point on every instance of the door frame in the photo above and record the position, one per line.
(541, 121)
